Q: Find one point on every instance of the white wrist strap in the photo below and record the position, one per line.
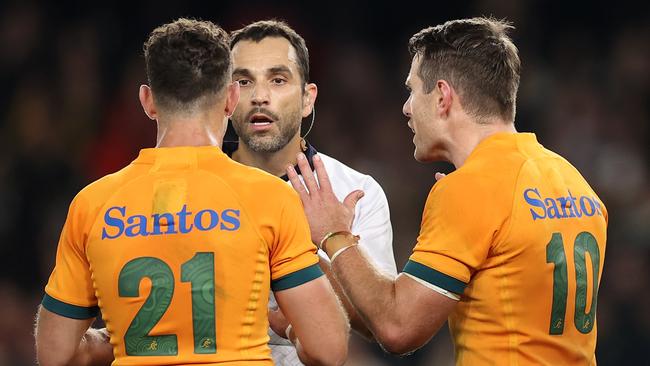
(341, 251)
(287, 331)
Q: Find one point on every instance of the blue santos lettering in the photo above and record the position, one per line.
(213, 220)
(540, 213)
(562, 207)
(230, 217)
(169, 223)
(137, 226)
(114, 222)
(117, 222)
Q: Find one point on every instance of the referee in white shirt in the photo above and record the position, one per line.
(271, 65)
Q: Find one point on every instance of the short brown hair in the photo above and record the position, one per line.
(275, 28)
(476, 57)
(186, 60)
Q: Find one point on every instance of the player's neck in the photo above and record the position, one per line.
(467, 139)
(273, 162)
(190, 132)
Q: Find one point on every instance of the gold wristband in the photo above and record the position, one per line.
(330, 234)
(334, 235)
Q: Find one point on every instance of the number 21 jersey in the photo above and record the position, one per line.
(179, 250)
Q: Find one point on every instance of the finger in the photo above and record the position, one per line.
(440, 176)
(307, 175)
(351, 200)
(278, 322)
(321, 175)
(296, 183)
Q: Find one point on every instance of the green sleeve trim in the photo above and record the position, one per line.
(297, 278)
(67, 310)
(434, 277)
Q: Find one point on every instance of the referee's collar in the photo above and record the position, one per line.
(229, 147)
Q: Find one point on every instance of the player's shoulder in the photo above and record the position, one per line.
(471, 178)
(102, 188)
(475, 182)
(496, 164)
(252, 181)
(93, 196)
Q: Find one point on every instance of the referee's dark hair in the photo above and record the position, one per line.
(275, 28)
(188, 63)
(477, 58)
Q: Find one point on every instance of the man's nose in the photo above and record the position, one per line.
(260, 95)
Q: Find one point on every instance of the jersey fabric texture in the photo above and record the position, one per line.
(371, 223)
(179, 250)
(518, 235)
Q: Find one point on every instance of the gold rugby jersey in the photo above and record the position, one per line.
(519, 235)
(179, 251)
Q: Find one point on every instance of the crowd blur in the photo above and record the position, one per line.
(69, 113)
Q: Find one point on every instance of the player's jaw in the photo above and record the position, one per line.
(418, 151)
(426, 143)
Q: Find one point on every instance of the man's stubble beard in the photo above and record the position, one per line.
(267, 143)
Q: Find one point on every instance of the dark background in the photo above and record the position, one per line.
(69, 113)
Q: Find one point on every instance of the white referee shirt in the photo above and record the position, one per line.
(371, 223)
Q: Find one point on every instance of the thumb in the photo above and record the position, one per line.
(440, 176)
(351, 200)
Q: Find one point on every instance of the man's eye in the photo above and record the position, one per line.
(244, 82)
(278, 81)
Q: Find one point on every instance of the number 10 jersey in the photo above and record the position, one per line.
(518, 236)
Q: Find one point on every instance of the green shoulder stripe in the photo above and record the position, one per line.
(67, 310)
(434, 277)
(297, 278)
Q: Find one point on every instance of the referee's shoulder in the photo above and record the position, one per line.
(342, 175)
(338, 170)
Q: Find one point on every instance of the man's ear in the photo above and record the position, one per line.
(146, 99)
(308, 99)
(232, 98)
(444, 97)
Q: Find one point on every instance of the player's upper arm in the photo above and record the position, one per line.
(317, 319)
(457, 232)
(70, 282)
(461, 218)
(372, 224)
(423, 310)
(293, 256)
(58, 337)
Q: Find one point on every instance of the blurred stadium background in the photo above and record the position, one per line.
(69, 113)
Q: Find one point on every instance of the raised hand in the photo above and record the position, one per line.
(324, 211)
(278, 322)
